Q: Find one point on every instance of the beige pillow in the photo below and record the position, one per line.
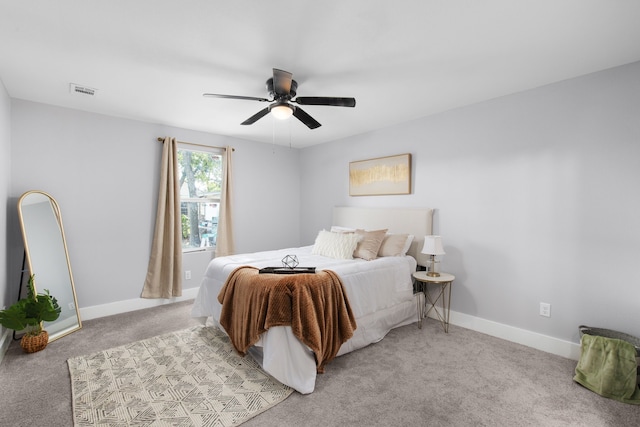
(395, 245)
(369, 244)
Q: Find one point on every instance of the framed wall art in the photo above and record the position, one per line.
(380, 176)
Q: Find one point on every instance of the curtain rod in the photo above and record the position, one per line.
(197, 145)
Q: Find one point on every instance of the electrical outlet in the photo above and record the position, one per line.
(545, 309)
(71, 306)
(187, 275)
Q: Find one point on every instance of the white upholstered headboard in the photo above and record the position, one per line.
(418, 222)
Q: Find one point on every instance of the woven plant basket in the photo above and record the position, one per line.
(33, 343)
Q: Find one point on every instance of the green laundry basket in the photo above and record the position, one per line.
(608, 333)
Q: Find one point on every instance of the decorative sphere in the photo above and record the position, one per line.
(290, 261)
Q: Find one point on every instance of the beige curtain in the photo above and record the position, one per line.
(164, 274)
(224, 240)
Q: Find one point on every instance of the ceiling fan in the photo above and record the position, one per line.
(282, 89)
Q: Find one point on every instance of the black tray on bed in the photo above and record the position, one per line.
(287, 270)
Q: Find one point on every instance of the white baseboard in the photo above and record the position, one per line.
(535, 340)
(96, 311)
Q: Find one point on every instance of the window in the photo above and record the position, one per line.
(200, 173)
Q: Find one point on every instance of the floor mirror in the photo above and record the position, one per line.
(47, 258)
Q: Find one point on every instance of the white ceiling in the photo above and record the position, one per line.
(151, 60)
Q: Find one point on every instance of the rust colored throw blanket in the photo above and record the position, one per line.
(314, 305)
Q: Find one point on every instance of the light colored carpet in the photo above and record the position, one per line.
(413, 377)
(191, 377)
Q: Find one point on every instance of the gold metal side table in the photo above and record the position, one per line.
(444, 282)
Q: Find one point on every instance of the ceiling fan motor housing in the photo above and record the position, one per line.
(273, 95)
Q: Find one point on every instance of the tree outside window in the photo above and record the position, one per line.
(200, 185)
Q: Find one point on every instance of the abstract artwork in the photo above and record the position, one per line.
(380, 176)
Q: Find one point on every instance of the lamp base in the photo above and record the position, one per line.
(434, 267)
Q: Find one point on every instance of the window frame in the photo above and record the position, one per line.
(197, 148)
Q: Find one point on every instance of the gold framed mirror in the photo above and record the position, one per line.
(48, 259)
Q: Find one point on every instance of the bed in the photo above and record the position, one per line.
(379, 290)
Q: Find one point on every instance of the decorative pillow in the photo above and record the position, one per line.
(369, 244)
(338, 229)
(335, 245)
(395, 245)
(407, 244)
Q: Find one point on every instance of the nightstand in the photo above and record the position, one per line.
(444, 282)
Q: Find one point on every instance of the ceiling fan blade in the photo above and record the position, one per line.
(282, 82)
(257, 116)
(325, 100)
(246, 98)
(305, 118)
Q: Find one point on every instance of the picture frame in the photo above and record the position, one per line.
(380, 176)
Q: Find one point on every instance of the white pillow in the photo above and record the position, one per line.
(407, 244)
(395, 245)
(335, 245)
(338, 229)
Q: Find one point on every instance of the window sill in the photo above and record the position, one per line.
(193, 250)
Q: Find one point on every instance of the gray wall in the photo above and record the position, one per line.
(536, 195)
(5, 185)
(103, 171)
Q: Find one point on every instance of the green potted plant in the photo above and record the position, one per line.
(28, 314)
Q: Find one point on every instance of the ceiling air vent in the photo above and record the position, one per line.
(82, 90)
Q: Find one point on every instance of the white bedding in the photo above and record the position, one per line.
(380, 293)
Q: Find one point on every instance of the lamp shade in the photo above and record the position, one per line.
(433, 245)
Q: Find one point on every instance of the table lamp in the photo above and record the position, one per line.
(433, 247)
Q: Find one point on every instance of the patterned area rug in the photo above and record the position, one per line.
(186, 378)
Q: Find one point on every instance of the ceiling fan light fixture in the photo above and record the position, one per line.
(282, 111)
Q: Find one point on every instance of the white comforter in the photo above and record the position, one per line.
(380, 293)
